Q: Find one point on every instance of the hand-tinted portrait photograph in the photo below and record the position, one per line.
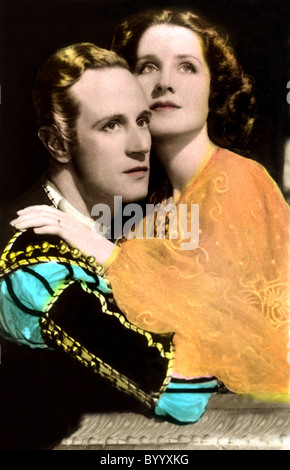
(144, 227)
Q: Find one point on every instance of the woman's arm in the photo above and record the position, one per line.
(48, 220)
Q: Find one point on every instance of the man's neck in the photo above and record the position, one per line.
(64, 181)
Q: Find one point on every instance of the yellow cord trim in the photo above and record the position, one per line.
(9, 260)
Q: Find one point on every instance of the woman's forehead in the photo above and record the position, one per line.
(166, 39)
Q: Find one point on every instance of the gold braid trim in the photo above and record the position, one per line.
(12, 260)
(95, 364)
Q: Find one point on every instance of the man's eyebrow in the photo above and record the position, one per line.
(110, 117)
(116, 117)
(145, 113)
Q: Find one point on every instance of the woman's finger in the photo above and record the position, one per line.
(48, 229)
(35, 221)
(38, 209)
(33, 215)
(66, 234)
(35, 208)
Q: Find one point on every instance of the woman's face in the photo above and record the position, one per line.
(173, 73)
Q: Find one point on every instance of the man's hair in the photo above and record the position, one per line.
(231, 102)
(53, 100)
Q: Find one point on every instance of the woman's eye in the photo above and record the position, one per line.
(111, 126)
(146, 68)
(188, 68)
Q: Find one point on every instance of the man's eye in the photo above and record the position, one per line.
(148, 67)
(188, 67)
(143, 122)
(111, 126)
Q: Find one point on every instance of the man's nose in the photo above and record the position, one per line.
(138, 144)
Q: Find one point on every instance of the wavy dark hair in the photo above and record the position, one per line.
(53, 101)
(232, 100)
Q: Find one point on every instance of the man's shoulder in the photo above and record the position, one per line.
(34, 195)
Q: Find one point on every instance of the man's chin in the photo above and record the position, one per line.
(137, 196)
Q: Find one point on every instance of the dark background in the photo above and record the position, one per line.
(31, 30)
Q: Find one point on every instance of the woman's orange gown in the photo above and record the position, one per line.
(227, 300)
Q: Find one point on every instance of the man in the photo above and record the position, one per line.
(57, 316)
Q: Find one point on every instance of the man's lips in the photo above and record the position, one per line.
(163, 105)
(137, 169)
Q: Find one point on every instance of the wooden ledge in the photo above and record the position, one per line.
(230, 423)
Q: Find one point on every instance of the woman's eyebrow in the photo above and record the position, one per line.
(178, 56)
(147, 57)
(188, 56)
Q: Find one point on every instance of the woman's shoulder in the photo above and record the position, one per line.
(237, 179)
(248, 183)
(242, 170)
(232, 161)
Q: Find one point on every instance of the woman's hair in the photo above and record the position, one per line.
(54, 103)
(231, 102)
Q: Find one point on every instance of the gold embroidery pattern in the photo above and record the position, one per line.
(272, 298)
(221, 183)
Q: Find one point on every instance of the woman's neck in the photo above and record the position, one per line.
(182, 157)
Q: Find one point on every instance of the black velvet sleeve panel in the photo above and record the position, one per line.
(91, 329)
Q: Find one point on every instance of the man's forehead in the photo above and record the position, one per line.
(104, 82)
(108, 91)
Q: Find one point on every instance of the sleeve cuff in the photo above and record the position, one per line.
(116, 251)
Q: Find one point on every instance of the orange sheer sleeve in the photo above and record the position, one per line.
(227, 301)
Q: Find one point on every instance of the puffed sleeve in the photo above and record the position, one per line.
(52, 296)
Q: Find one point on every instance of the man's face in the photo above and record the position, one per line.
(111, 157)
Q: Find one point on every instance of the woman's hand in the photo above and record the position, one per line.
(48, 220)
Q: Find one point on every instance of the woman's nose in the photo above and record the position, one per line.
(163, 83)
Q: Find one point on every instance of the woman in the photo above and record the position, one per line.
(233, 288)
(227, 300)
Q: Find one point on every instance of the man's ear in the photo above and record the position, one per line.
(55, 144)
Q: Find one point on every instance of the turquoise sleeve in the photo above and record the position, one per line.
(25, 293)
(185, 401)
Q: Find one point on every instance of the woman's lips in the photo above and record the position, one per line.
(164, 106)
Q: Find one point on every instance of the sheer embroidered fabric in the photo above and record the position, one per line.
(227, 300)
